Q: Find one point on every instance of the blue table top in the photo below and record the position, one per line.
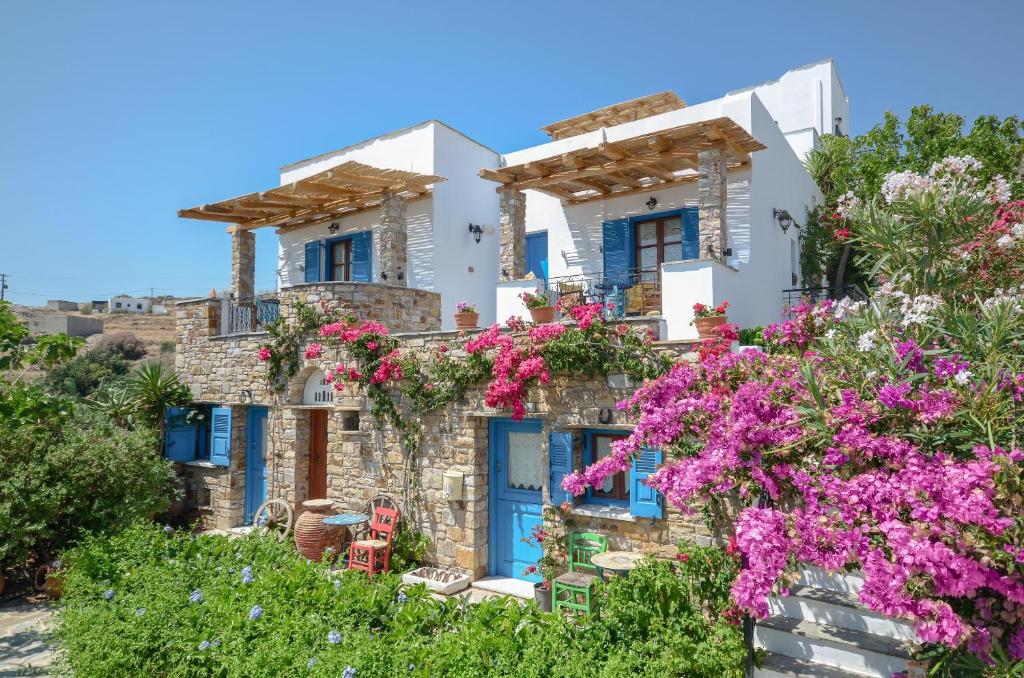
(346, 519)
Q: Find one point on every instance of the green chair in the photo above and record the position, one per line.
(574, 590)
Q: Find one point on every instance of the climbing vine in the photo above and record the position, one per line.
(403, 386)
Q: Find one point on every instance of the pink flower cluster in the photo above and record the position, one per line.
(513, 367)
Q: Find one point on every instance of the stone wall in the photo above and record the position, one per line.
(712, 192)
(393, 240)
(243, 263)
(364, 462)
(512, 235)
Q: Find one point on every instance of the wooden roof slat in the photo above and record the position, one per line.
(615, 114)
(658, 159)
(343, 189)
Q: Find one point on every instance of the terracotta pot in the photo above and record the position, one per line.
(466, 321)
(3, 583)
(542, 596)
(543, 314)
(311, 535)
(708, 327)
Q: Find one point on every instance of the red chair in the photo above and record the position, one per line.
(374, 554)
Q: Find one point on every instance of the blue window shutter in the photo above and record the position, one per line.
(615, 241)
(559, 464)
(362, 264)
(645, 501)
(179, 435)
(220, 438)
(691, 237)
(537, 253)
(313, 261)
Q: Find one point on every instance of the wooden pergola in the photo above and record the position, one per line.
(616, 114)
(642, 163)
(337, 192)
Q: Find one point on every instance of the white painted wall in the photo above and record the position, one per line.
(509, 302)
(463, 269)
(410, 149)
(804, 98)
(128, 305)
(418, 215)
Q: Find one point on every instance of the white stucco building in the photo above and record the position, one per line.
(125, 304)
(651, 204)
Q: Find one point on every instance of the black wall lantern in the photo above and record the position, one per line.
(477, 231)
(333, 228)
(651, 203)
(784, 219)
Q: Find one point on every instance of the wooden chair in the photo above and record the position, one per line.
(374, 554)
(574, 590)
(570, 295)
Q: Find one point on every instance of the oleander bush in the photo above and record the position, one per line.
(151, 602)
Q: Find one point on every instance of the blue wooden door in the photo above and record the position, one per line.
(537, 254)
(255, 461)
(517, 476)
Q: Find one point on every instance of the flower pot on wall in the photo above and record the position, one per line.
(708, 327)
(543, 314)
(311, 535)
(542, 595)
(466, 321)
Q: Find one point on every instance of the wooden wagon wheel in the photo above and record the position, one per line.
(380, 501)
(274, 516)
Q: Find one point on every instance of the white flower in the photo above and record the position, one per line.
(866, 341)
(918, 309)
(1017, 230)
(902, 185)
(831, 334)
(1005, 241)
(998, 189)
(962, 377)
(846, 204)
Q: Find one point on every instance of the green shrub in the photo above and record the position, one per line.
(125, 344)
(84, 374)
(84, 474)
(152, 624)
(752, 336)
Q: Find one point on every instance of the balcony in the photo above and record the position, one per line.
(244, 316)
(636, 292)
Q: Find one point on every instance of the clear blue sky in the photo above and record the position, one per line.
(115, 114)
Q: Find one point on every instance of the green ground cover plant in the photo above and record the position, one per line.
(151, 602)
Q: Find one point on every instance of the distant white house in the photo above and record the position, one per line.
(123, 304)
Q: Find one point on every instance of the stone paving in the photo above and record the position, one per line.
(24, 649)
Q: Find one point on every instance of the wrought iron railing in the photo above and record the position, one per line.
(635, 292)
(252, 315)
(794, 296)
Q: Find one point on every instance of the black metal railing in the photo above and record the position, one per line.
(635, 292)
(252, 315)
(796, 295)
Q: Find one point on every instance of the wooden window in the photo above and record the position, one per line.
(617, 486)
(340, 257)
(658, 241)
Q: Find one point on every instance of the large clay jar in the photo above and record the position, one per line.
(542, 314)
(708, 327)
(311, 535)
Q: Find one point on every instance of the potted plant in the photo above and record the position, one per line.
(708, 319)
(465, 315)
(540, 306)
(553, 558)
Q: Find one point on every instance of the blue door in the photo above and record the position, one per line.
(517, 476)
(255, 461)
(537, 254)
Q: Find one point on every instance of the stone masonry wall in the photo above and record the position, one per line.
(364, 461)
(712, 191)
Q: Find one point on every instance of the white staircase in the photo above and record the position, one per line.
(822, 631)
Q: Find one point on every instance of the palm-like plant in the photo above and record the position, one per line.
(155, 388)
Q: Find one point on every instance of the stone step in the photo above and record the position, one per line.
(838, 609)
(843, 582)
(854, 651)
(780, 666)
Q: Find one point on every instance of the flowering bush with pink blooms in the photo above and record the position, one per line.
(879, 436)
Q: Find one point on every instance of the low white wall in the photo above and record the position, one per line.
(507, 297)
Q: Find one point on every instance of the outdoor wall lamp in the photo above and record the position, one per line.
(477, 231)
(245, 396)
(784, 219)
(651, 203)
(333, 228)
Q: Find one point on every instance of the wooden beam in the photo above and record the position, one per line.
(310, 187)
(207, 216)
(571, 161)
(285, 199)
(595, 185)
(495, 175)
(678, 181)
(537, 170)
(358, 180)
(658, 143)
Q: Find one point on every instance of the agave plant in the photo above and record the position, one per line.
(118, 403)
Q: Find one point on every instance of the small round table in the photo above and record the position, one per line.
(345, 521)
(618, 562)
